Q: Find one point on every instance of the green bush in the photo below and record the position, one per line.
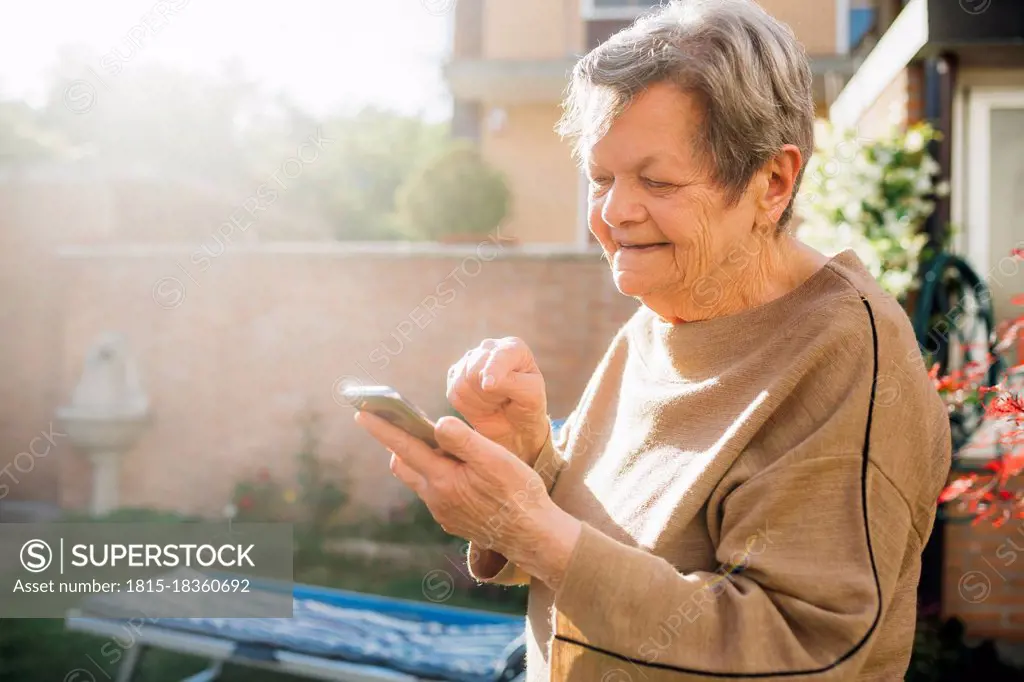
(455, 193)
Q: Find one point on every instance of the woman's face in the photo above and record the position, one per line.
(661, 221)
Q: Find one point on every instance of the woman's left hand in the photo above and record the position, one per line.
(487, 495)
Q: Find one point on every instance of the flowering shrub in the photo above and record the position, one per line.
(261, 499)
(871, 196)
(988, 495)
(311, 504)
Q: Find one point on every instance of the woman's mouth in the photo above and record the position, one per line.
(642, 247)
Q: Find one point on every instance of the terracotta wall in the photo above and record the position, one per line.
(531, 29)
(232, 348)
(541, 174)
(816, 28)
(983, 583)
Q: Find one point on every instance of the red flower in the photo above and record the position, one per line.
(1006, 467)
(245, 502)
(1005, 495)
(263, 475)
(1018, 253)
(1012, 465)
(957, 488)
(1012, 439)
(1017, 300)
(1007, 406)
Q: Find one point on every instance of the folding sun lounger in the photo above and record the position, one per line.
(333, 635)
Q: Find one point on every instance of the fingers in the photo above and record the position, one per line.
(493, 373)
(419, 456)
(520, 387)
(454, 436)
(509, 355)
(407, 475)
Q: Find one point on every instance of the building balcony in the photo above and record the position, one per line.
(501, 81)
(507, 82)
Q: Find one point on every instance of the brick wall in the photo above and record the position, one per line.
(983, 583)
(231, 349)
(915, 93)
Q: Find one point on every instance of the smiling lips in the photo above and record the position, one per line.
(641, 247)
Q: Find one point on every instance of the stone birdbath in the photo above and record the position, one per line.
(106, 416)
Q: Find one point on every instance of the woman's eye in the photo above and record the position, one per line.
(654, 184)
(599, 183)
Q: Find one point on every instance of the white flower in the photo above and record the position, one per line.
(914, 141)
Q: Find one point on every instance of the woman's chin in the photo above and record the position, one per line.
(631, 283)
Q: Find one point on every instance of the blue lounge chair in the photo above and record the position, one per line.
(333, 635)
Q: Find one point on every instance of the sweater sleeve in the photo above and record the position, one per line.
(488, 566)
(810, 553)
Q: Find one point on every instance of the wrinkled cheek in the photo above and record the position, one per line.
(698, 258)
(599, 228)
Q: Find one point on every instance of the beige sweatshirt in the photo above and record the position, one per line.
(756, 491)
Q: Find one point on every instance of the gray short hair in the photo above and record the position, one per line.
(746, 68)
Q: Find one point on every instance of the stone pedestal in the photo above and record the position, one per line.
(107, 415)
(105, 483)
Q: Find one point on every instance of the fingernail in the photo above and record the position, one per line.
(488, 382)
(445, 425)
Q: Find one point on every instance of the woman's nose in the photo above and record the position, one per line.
(621, 206)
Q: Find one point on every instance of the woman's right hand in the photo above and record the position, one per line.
(499, 389)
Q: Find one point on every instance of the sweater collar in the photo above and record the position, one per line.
(700, 350)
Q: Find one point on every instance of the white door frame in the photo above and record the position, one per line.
(980, 105)
(843, 10)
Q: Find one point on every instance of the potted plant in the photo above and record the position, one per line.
(455, 197)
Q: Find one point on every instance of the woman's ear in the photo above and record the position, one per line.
(782, 171)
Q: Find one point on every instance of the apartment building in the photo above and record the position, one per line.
(509, 67)
(960, 66)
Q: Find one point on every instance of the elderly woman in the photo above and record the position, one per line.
(746, 484)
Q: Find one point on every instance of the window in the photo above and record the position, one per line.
(616, 9)
(862, 20)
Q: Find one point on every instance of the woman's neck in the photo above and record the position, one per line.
(750, 275)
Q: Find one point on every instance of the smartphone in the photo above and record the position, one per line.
(388, 404)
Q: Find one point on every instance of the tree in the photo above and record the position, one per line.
(24, 138)
(227, 135)
(369, 157)
(455, 193)
(993, 494)
(156, 117)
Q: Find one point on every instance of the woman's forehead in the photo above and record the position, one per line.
(660, 124)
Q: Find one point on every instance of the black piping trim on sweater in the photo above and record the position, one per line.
(871, 554)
